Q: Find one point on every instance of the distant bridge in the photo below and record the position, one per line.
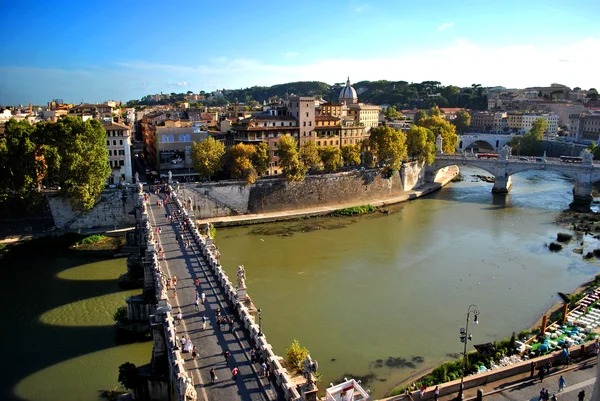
(497, 142)
(584, 174)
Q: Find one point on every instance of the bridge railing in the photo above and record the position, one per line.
(212, 257)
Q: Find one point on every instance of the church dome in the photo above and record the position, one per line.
(348, 93)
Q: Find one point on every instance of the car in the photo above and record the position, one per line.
(523, 158)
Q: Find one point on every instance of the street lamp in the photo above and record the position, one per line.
(259, 322)
(465, 336)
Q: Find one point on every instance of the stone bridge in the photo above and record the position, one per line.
(584, 174)
(497, 142)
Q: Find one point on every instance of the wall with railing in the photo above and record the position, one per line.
(244, 311)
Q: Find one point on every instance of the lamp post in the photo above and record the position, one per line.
(465, 336)
(259, 322)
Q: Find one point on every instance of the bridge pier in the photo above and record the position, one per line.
(502, 178)
(582, 192)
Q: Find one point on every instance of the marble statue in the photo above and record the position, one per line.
(241, 276)
(170, 176)
(307, 371)
(189, 391)
(137, 177)
(505, 152)
(588, 157)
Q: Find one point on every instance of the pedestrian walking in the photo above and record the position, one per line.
(422, 390)
(198, 282)
(561, 383)
(218, 313)
(234, 373)
(541, 374)
(597, 347)
(436, 393)
(204, 319)
(581, 395)
(160, 230)
(203, 297)
(252, 355)
(197, 305)
(179, 317)
(194, 352)
(213, 376)
(542, 394)
(263, 369)
(174, 281)
(226, 354)
(231, 326)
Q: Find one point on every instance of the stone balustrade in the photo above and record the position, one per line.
(211, 255)
(181, 381)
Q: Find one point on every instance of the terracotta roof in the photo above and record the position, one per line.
(115, 126)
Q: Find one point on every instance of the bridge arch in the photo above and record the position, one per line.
(494, 141)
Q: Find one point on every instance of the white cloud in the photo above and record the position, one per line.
(445, 25)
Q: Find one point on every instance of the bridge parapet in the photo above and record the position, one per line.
(244, 308)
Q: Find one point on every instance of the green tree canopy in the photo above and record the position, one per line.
(240, 162)
(261, 158)
(207, 156)
(332, 158)
(420, 144)
(351, 154)
(439, 125)
(538, 128)
(391, 113)
(309, 155)
(419, 115)
(434, 111)
(389, 146)
(81, 161)
(289, 159)
(462, 121)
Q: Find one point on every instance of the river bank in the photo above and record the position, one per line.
(271, 217)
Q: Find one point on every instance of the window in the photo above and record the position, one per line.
(120, 142)
(304, 123)
(110, 152)
(121, 162)
(307, 114)
(276, 153)
(275, 164)
(318, 143)
(275, 171)
(275, 144)
(310, 123)
(107, 143)
(114, 142)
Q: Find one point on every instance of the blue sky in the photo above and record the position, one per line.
(90, 51)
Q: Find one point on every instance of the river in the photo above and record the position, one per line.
(357, 291)
(58, 340)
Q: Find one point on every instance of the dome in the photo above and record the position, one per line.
(348, 93)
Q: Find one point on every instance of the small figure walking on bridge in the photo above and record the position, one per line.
(197, 305)
(226, 354)
(561, 383)
(234, 372)
(204, 322)
(198, 282)
(179, 317)
(581, 395)
(213, 376)
(203, 297)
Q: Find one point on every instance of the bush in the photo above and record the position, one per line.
(92, 239)
(354, 211)
(128, 375)
(555, 246)
(563, 237)
(120, 314)
(296, 354)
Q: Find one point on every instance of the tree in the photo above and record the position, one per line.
(128, 375)
(296, 354)
(332, 158)
(434, 112)
(293, 168)
(450, 91)
(309, 155)
(207, 156)
(391, 113)
(538, 128)
(82, 160)
(419, 115)
(240, 159)
(351, 154)
(440, 126)
(462, 121)
(389, 146)
(420, 144)
(261, 158)
(17, 159)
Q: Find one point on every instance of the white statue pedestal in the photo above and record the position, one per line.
(242, 294)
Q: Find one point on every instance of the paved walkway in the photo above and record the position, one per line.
(580, 376)
(212, 341)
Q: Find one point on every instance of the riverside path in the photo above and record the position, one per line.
(187, 265)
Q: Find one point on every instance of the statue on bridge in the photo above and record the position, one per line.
(588, 157)
(137, 177)
(308, 368)
(505, 152)
(241, 276)
(170, 177)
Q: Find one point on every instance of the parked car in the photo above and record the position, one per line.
(524, 158)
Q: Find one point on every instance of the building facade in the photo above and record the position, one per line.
(521, 123)
(118, 145)
(587, 127)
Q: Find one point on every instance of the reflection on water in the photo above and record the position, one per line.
(398, 286)
(63, 342)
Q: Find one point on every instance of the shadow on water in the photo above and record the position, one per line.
(35, 289)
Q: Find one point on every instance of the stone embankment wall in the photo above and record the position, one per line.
(212, 256)
(276, 194)
(111, 210)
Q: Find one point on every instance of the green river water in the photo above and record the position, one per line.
(352, 290)
(58, 336)
(357, 291)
